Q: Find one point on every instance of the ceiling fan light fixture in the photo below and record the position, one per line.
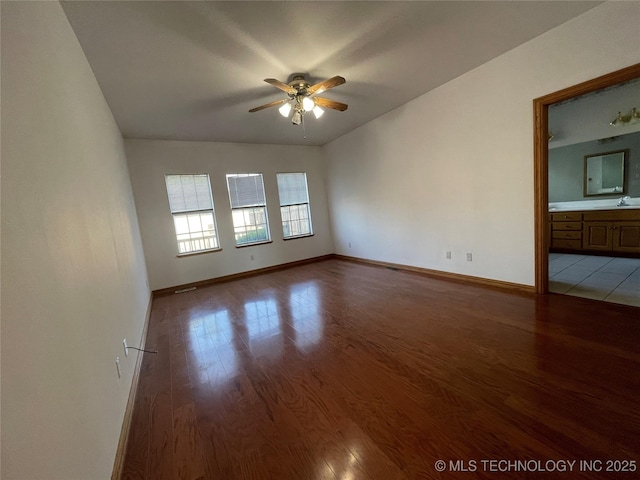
(308, 104)
(302, 98)
(317, 111)
(285, 109)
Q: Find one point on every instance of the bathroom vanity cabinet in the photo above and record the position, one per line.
(613, 232)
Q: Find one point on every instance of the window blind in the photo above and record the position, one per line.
(292, 188)
(189, 193)
(246, 190)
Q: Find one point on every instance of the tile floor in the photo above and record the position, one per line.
(601, 278)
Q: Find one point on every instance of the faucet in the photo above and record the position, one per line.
(623, 201)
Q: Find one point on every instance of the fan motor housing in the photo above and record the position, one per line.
(299, 83)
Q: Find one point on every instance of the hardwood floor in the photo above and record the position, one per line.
(338, 370)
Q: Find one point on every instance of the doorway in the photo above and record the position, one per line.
(541, 166)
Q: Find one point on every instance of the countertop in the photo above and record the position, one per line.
(586, 209)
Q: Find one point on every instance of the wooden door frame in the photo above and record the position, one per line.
(541, 161)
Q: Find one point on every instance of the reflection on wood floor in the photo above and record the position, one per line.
(337, 370)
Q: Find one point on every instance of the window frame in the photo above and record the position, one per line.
(307, 203)
(244, 209)
(199, 211)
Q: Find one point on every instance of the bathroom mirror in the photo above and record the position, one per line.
(604, 173)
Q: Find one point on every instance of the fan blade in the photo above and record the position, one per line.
(267, 105)
(325, 102)
(282, 86)
(325, 85)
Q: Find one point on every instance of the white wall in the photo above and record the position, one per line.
(73, 275)
(453, 169)
(150, 160)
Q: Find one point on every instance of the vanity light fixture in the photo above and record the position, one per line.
(622, 120)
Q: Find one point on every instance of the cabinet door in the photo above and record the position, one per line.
(597, 236)
(626, 237)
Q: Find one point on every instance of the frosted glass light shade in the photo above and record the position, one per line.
(308, 104)
(317, 111)
(285, 109)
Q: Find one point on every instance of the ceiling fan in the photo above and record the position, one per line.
(303, 97)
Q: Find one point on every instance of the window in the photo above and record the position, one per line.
(294, 204)
(249, 208)
(191, 205)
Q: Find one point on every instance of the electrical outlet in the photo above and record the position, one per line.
(118, 366)
(349, 244)
(448, 255)
(251, 257)
(469, 257)
(126, 347)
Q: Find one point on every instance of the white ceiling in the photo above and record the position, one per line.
(191, 70)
